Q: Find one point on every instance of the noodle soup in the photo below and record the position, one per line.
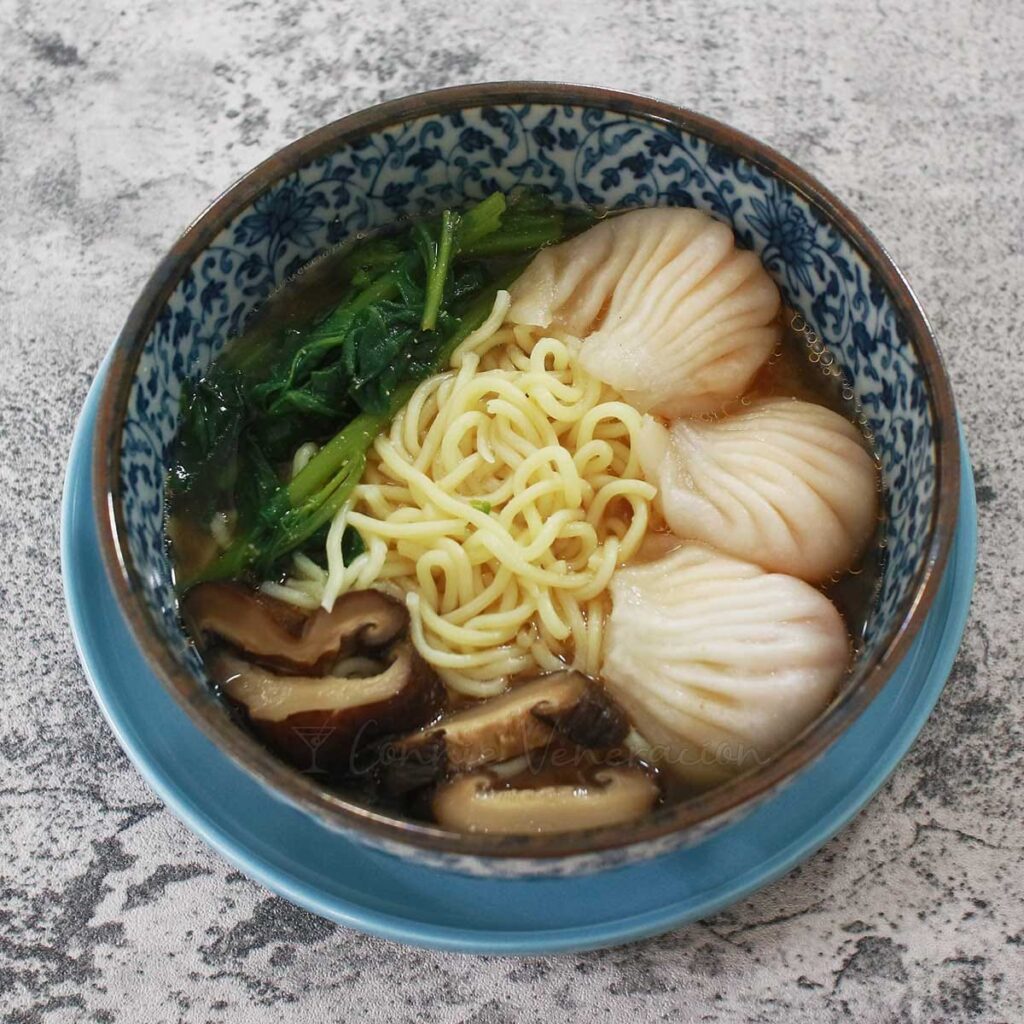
(518, 520)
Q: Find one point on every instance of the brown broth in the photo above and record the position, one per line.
(304, 298)
(793, 370)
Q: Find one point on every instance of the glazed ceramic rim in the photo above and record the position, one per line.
(695, 814)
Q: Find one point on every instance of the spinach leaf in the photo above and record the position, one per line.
(257, 483)
(352, 545)
(409, 301)
(213, 413)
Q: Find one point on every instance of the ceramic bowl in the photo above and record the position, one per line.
(585, 146)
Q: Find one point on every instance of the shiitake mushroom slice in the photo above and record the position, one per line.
(524, 719)
(270, 633)
(595, 720)
(321, 722)
(615, 796)
(501, 727)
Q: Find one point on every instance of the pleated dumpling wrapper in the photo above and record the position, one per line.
(781, 482)
(717, 662)
(674, 316)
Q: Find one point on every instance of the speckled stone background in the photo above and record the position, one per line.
(120, 120)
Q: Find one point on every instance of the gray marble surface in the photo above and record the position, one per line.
(119, 120)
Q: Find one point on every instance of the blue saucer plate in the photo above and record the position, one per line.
(294, 855)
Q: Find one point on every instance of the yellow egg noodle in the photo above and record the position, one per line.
(499, 503)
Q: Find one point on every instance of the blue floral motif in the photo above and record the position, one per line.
(396, 194)
(425, 158)
(580, 155)
(789, 239)
(568, 139)
(282, 215)
(471, 139)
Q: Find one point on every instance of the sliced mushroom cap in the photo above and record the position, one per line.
(595, 720)
(501, 727)
(469, 803)
(319, 722)
(271, 633)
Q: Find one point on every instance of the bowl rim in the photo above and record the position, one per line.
(694, 814)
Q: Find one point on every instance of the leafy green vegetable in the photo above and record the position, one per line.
(407, 301)
(352, 545)
(482, 506)
(481, 220)
(438, 263)
(212, 415)
(257, 483)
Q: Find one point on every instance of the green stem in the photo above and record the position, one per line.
(356, 436)
(481, 220)
(229, 565)
(300, 523)
(438, 274)
(476, 313)
(526, 234)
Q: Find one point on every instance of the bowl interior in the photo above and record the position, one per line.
(582, 153)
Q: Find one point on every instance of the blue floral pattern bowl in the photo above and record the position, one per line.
(585, 147)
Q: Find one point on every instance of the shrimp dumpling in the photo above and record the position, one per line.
(783, 483)
(717, 662)
(674, 316)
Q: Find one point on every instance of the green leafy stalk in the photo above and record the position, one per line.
(476, 312)
(412, 299)
(314, 496)
(437, 272)
(526, 232)
(332, 458)
(481, 220)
